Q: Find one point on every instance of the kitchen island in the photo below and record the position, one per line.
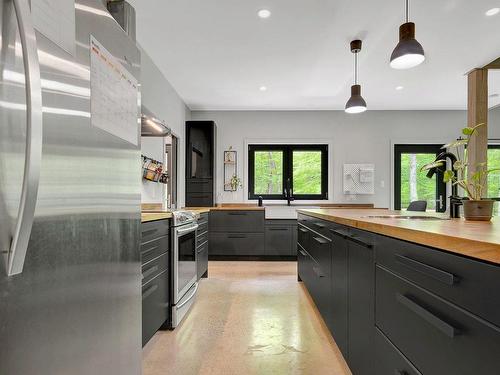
(404, 296)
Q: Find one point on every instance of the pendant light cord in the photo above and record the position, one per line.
(407, 10)
(355, 68)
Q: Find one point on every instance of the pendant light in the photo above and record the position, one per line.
(356, 103)
(409, 52)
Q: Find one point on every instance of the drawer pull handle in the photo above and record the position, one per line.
(320, 225)
(237, 213)
(236, 236)
(359, 242)
(302, 251)
(148, 232)
(339, 232)
(147, 251)
(321, 240)
(437, 274)
(318, 272)
(149, 271)
(400, 372)
(278, 229)
(203, 233)
(149, 291)
(440, 324)
(303, 230)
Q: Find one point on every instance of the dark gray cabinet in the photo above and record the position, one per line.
(202, 241)
(339, 285)
(154, 251)
(280, 236)
(398, 307)
(236, 234)
(200, 163)
(361, 306)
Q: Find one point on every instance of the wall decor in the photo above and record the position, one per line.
(231, 179)
(359, 179)
(152, 170)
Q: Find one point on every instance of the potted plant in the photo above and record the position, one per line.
(475, 207)
(235, 182)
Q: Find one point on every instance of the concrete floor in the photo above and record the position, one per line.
(249, 318)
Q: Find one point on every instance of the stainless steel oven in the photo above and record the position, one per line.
(183, 264)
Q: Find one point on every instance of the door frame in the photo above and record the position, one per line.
(432, 147)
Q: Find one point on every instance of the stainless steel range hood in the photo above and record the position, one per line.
(151, 126)
(124, 14)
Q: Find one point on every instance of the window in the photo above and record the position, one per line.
(494, 177)
(410, 184)
(274, 168)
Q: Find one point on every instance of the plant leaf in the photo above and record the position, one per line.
(448, 176)
(435, 164)
(457, 143)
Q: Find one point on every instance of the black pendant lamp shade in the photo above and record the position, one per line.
(409, 52)
(356, 103)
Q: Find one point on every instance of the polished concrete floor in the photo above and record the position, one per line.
(249, 318)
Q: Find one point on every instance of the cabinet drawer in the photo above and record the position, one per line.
(199, 199)
(279, 240)
(465, 282)
(201, 237)
(202, 260)
(199, 185)
(237, 221)
(154, 229)
(435, 335)
(303, 266)
(155, 306)
(154, 267)
(203, 220)
(303, 236)
(235, 244)
(390, 361)
(320, 249)
(317, 225)
(154, 248)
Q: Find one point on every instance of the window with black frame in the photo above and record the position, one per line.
(274, 168)
(494, 178)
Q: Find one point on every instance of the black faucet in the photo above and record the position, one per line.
(288, 192)
(455, 200)
(260, 200)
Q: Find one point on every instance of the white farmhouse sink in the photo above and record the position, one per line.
(284, 211)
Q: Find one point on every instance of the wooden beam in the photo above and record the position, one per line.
(477, 113)
(495, 64)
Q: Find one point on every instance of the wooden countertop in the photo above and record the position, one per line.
(153, 216)
(480, 240)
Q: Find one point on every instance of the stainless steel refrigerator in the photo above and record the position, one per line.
(70, 278)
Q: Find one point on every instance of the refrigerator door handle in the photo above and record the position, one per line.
(31, 179)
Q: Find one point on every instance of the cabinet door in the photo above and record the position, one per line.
(339, 307)
(279, 240)
(361, 308)
(155, 306)
(202, 260)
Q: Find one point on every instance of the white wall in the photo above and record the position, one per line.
(160, 98)
(363, 138)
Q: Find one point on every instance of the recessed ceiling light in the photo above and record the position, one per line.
(492, 11)
(399, 88)
(263, 88)
(264, 13)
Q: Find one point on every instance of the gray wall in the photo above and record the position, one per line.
(160, 97)
(363, 138)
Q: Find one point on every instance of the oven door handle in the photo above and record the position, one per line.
(190, 297)
(186, 229)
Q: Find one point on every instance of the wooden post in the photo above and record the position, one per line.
(477, 113)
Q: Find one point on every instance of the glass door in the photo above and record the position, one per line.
(412, 185)
(494, 178)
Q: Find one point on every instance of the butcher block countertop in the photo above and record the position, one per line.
(153, 216)
(480, 240)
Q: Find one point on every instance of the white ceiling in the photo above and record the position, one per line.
(218, 53)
